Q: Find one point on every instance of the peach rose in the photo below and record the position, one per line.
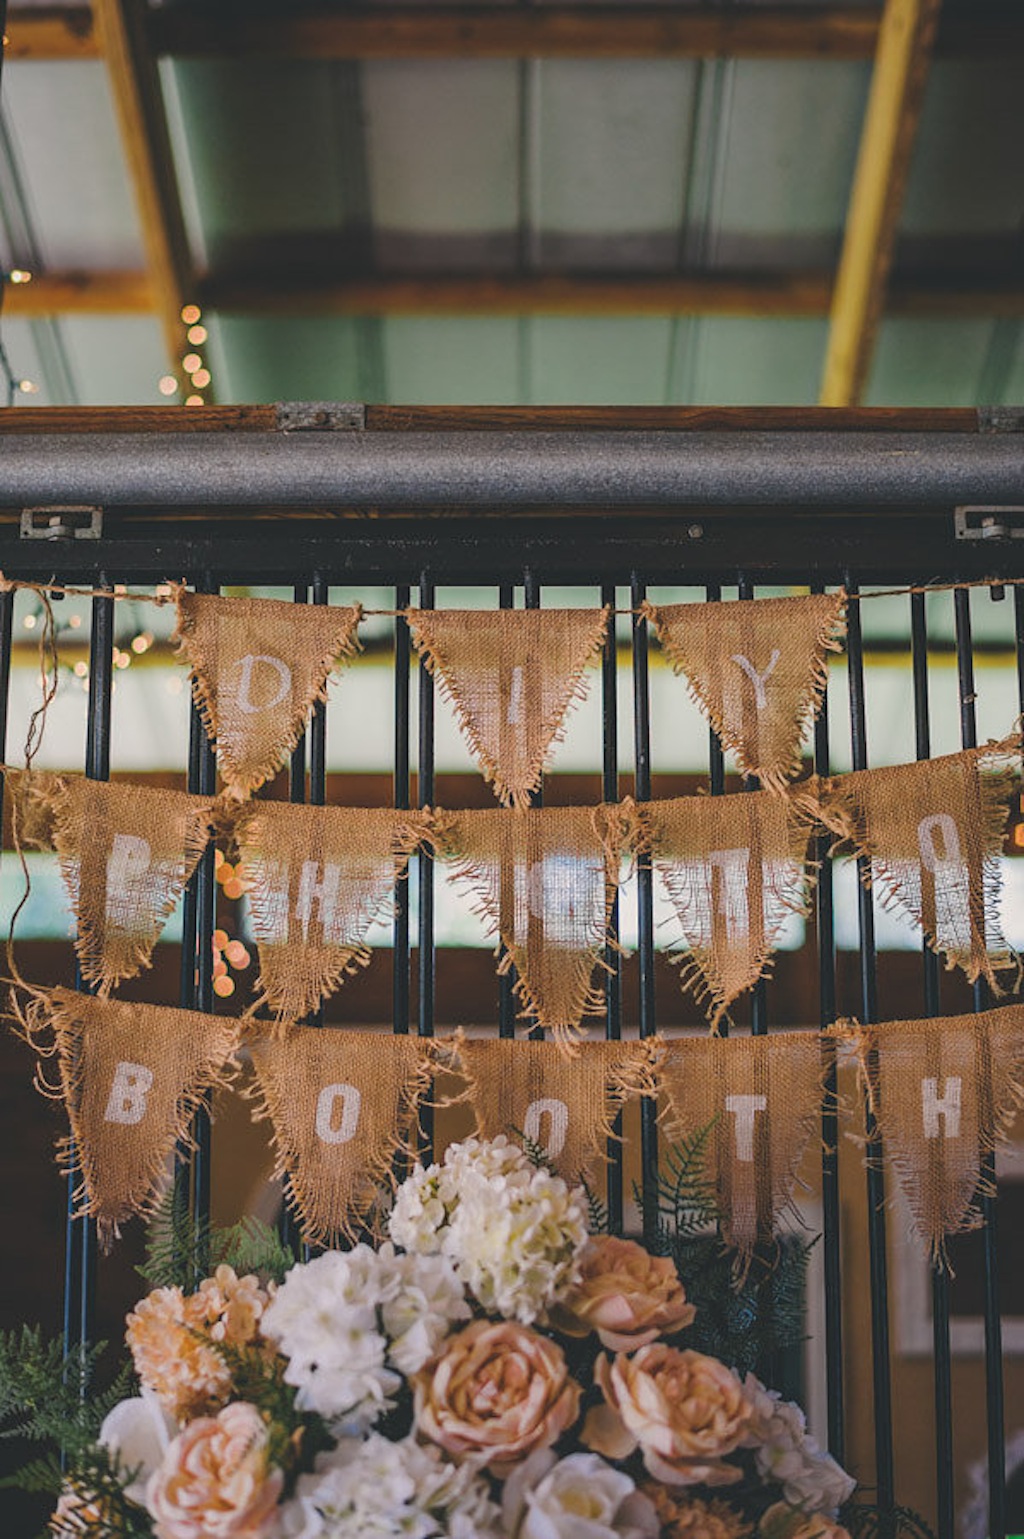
(625, 1294)
(686, 1411)
(781, 1521)
(688, 1517)
(495, 1392)
(215, 1479)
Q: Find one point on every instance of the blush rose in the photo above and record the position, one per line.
(216, 1480)
(625, 1294)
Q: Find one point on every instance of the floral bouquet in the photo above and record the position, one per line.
(490, 1370)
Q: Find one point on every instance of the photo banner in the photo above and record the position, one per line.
(944, 1093)
(511, 677)
(319, 877)
(758, 670)
(341, 1105)
(735, 870)
(258, 667)
(761, 1098)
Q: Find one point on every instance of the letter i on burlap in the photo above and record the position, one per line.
(258, 667)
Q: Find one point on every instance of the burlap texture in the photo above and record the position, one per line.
(944, 1093)
(511, 677)
(258, 666)
(757, 668)
(735, 868)
(933, 832)
(341, 1104)
(761, 1098)
(544, 880)
(320, 877)
(132, 1076)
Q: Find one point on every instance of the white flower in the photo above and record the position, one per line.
(578, 1497)
(423, 1205)
(138, 1432)
(426, 1300)
(786, 1453)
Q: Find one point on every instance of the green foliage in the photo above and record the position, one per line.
(598, 1217)
(866, 1522)
(96, 1487)
(181, 1250)
(45, 1399)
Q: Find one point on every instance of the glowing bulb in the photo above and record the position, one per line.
(234, 888)
(30, 622)
(197, 335)
(201, 378)
(191, 362)
(223, 987)
(220, 939)
(120, 587)
(194, 400)
(19, 275)
(122, 660)
(162, 590)
(142, 642)
(191, 314)
(168, 385)
(28, 387)
(75, 621)
(82, 669)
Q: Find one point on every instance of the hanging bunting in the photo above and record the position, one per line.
(735, 869)
(319, 877)
(761, 1100)
(511, 677)
(342, 1104)
(258, 667)
(933, 832)
(545, 881)
(757, 668)
(944, 1093)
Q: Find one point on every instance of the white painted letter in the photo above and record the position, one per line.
(284, 682)
(324, 893)
(351, 1103)
(128, 860)
(947, 1106)
(757, 679)
(932, 857)
(743, 1108)
(127, 1103)
(558, 1126)
(733, 901)
(515, 698)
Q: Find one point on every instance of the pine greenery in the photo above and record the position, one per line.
(45, 1398)
(866, 1522)
(181, 1250)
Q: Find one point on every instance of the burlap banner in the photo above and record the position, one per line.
(341, 1104)
(564, 1105)
(933, 832)
(258, 666)
(735, 869)
(132, 1076)
(545, 882)
(319, 878)
(757, 669)
(761, 1097)
(511, 676)
(944, 1093)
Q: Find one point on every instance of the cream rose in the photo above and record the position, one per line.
(496, 1392)
(215, 1479)
(684, 1410)
(625, 1294)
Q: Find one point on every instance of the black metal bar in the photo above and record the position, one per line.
(206, 923)
(531, 600)
(612, 954)
(758, 994)
(716, 758)
(507, 979)
(426, 970)
(645, 901)
(400, 797)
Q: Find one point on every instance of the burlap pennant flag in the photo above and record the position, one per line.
(944, 1093)
(760, 1098)
(132, 1076)
(319, 877)
(757, 668)
(342, 1104)
(544, 880)
(563, 1105)
(735, 869)
(933, 832)
(511, 677)
(258, 666)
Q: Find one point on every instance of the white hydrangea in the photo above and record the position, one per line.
(786, 1453)
(423, 1304)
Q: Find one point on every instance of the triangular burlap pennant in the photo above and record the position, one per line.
(258, 667)
(735, 869)
(342, 1104)
(545, 881)
(757, 669)
(319, 878)
(511, 676)
(126, 853)
(933, 832)
(761, 1099)
(564, 1105)
(132, 1076)
(944, 1093)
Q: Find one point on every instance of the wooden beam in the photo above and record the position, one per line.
(44, 32)
(893, 111)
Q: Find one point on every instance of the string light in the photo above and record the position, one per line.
(168, 385)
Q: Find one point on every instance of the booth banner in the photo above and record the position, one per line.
(132, 1076)
(758, 670)
(565, 1106)
(319, 878)
(511, 677)
(933, 832)
(761, 1097)
(341, 1104)
(545, 882)
(258, 667)
(944, 1093)
(735, 869)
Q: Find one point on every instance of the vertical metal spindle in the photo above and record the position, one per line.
(716, 758)
(645, 901)
(758, 994)
(426, 971)
(535, 936)
(400, 798)
(507, 980)
(612, 956)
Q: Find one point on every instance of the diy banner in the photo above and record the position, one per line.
(735, 869)
(944, 1093)
(545, 882)
(258, 666)
(761, 1099)
(318, 878)
(341, 1105)
(511, 677)
(757, 669)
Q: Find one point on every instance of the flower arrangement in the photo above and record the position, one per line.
(490, 1371)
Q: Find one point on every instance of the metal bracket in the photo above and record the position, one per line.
(988, 523)
(73, 522)
(321, 416)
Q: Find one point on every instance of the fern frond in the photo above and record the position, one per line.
(864, 1521)
(598, 1217)
(181, 1250)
